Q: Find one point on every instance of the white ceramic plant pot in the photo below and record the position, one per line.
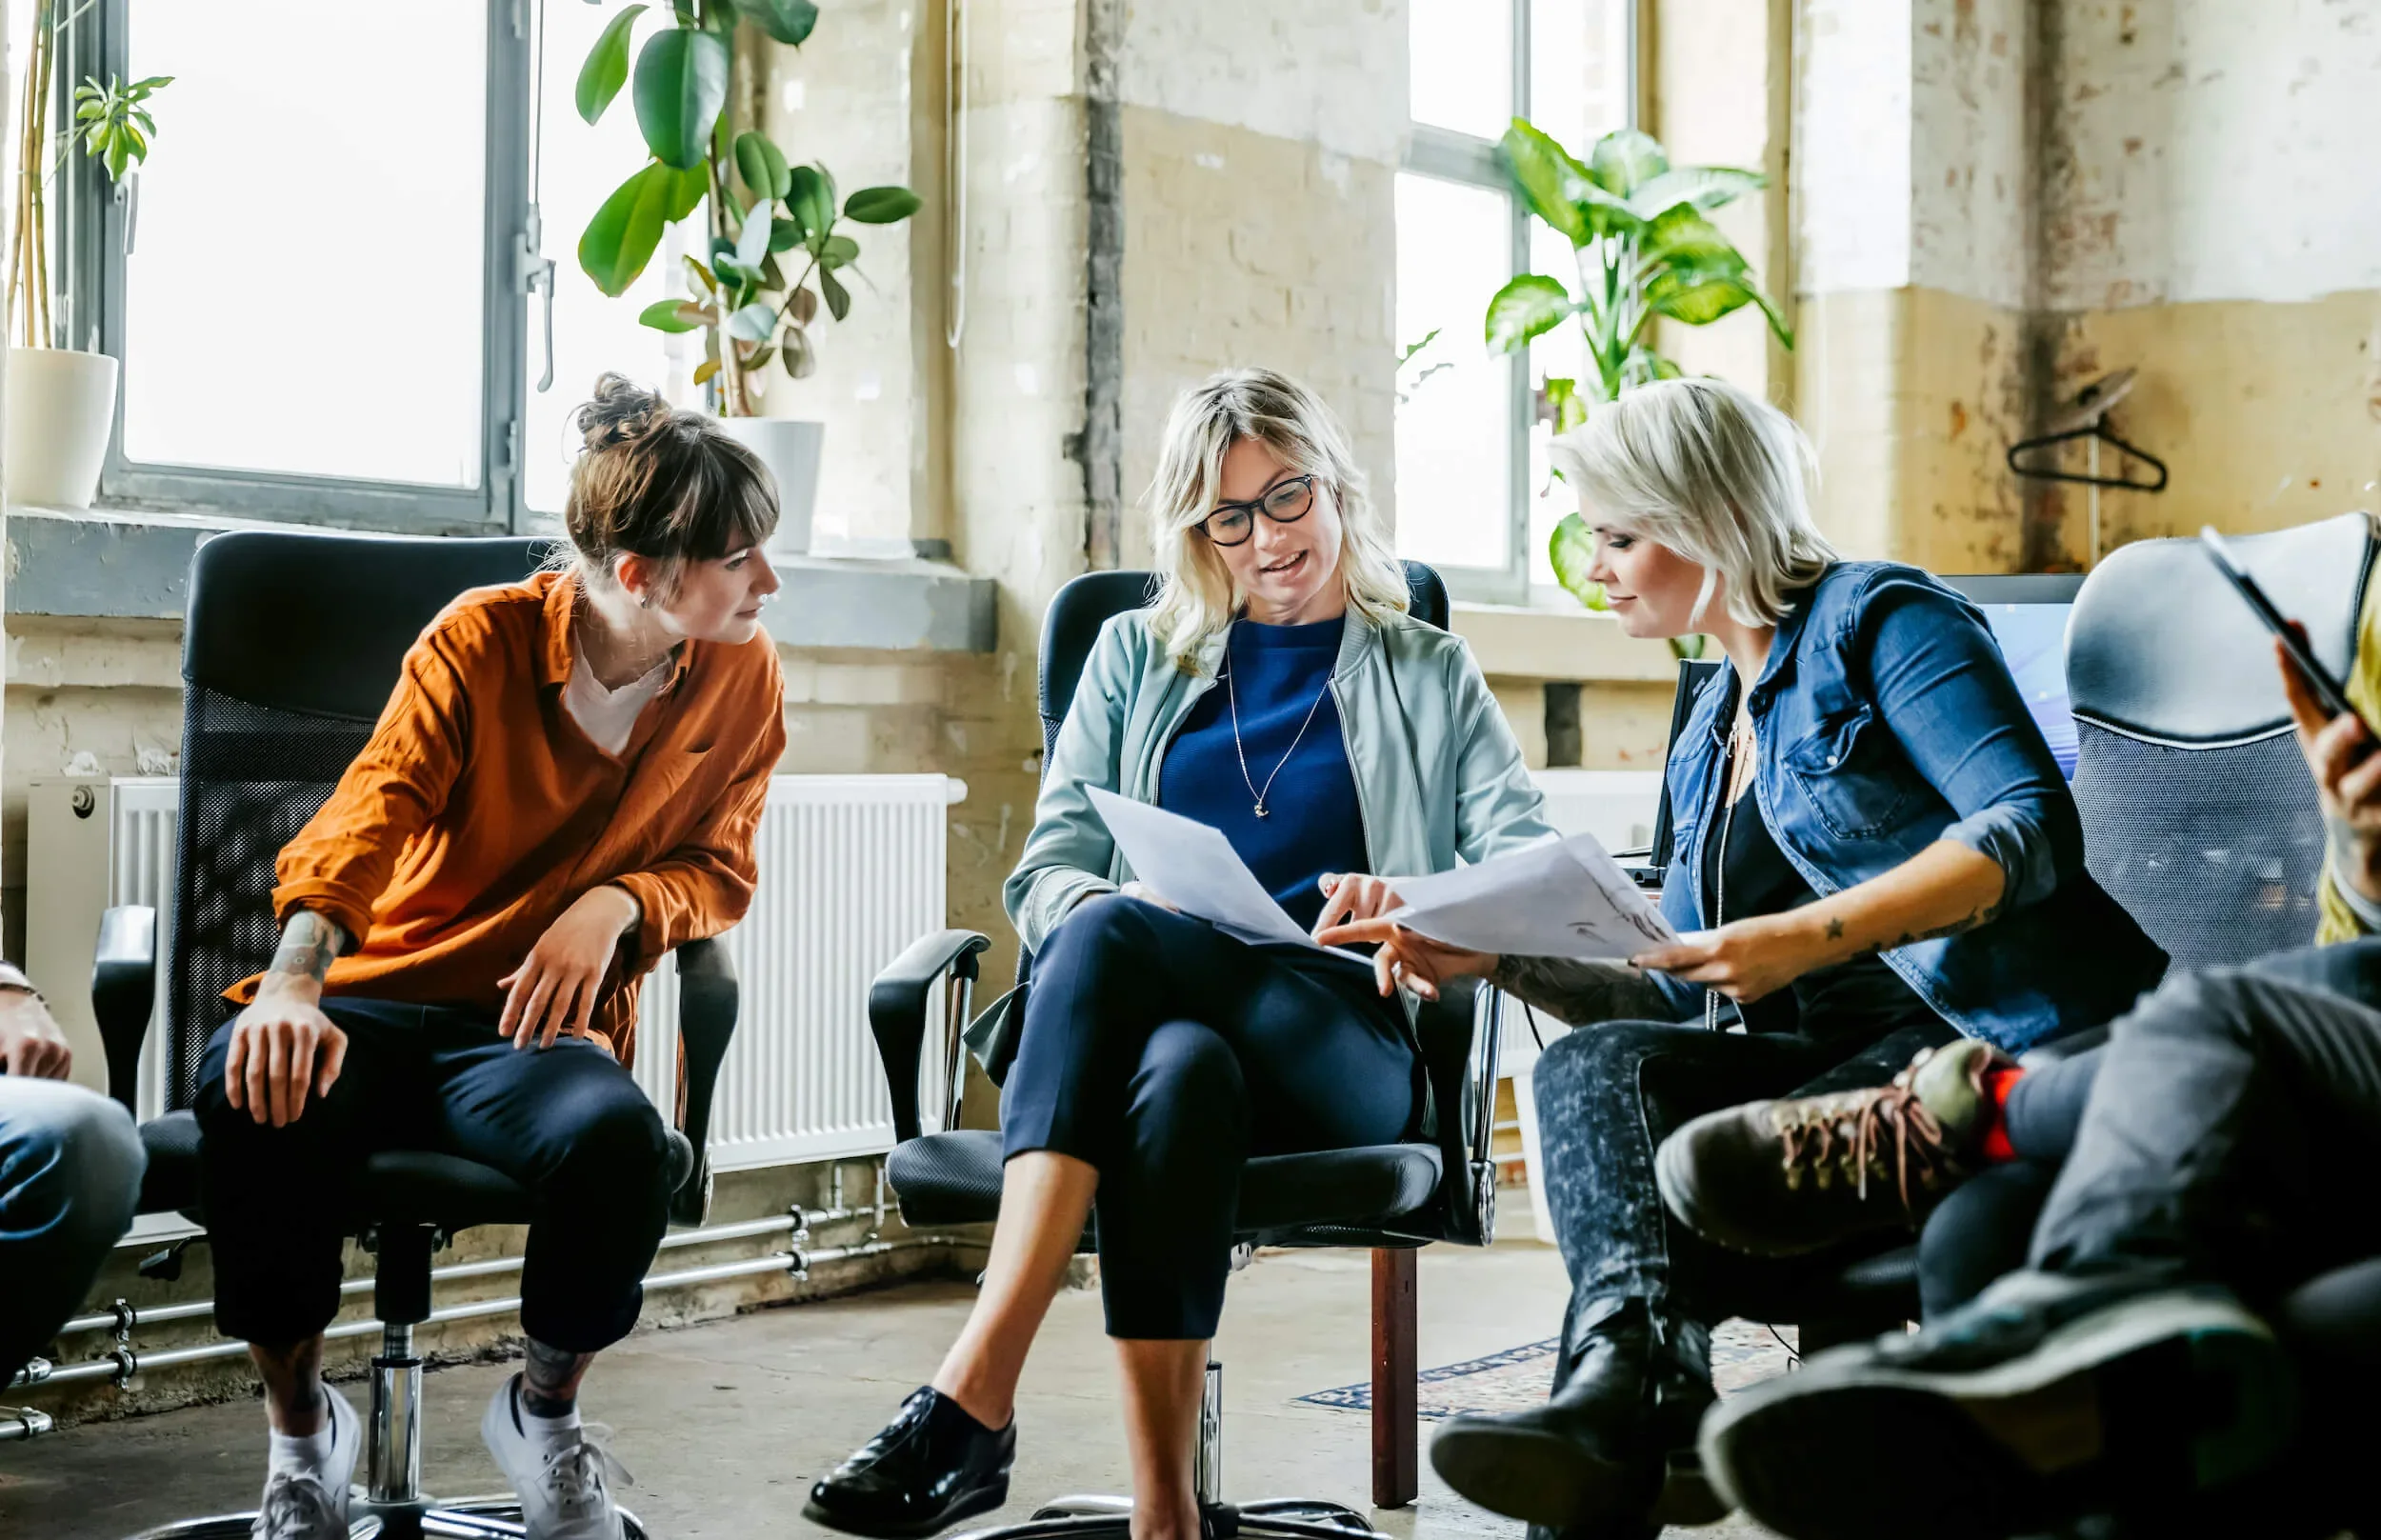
(792, 451)
(62, 405)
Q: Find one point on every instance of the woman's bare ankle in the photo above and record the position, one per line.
(972, 1396)
(1170, 1517)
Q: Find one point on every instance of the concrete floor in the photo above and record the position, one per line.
(726, 1425)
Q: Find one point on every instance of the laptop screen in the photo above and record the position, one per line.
(2029, 619)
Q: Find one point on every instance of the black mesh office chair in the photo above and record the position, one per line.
(292, 646)
(1391, 1198)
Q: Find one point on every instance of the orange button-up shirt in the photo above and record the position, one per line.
(480, 811)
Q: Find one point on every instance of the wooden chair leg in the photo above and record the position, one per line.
(1396, 1420)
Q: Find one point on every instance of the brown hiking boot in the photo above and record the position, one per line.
(1781, 1178)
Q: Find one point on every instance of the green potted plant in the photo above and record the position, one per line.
(61, 400)
(1645, 253)
(777, 253)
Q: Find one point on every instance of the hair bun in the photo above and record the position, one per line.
(622, 412)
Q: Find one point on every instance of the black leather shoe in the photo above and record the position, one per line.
(1611, 1453)
(2048, 1397)
(932, 1466)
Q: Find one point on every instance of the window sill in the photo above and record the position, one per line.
(119, 563)
(1558, 642)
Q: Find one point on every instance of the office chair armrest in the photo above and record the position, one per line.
(1485, 1004)
(707, 1001)
(897, 1012)
(124, 992)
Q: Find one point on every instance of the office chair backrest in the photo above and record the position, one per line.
(2198, 814)
(1085, 604)
(292, 646)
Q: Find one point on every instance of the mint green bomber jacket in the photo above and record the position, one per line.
(1438, 772)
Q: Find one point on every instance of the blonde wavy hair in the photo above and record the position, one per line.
(1196, 596)
(1713, 473)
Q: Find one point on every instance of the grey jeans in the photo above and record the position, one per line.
(1609, 1095)
(2233, 1127)
(70, 1166)
(2228, 1131)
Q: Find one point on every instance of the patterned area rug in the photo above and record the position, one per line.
(1741, 1353)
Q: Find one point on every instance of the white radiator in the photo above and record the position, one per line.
(89, 845)
(851, 872)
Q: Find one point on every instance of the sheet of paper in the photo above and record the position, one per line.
(1194, 869)
(1567, 899)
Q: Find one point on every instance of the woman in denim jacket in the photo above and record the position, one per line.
(1275, 689)
(1874, 853)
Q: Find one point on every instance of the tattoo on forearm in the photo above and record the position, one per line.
(1968, 921)
(308, 943)
(1835, 929)
(1582, 994)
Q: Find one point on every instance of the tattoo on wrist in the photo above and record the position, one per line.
(308, 943)
(1581, 993)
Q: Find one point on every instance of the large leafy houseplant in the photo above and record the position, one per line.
(1643, 254)
(767, 215)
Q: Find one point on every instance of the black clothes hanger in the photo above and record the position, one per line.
(2088, 420)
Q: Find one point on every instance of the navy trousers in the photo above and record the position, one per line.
(566, 1122)
(1165, 1053)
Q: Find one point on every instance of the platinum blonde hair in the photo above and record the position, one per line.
(1196, 596)
(1718, 475)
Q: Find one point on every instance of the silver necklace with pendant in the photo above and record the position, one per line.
(1233, 694)
(1741, 743)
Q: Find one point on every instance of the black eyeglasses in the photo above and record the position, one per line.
(1231, 524)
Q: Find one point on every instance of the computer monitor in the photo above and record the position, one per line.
(2029, 618)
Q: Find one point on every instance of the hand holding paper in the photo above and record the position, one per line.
(1567, 899)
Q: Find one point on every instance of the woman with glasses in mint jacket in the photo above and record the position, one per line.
(1277, 690)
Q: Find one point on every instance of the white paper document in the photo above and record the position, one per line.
(1194, 869)
(1567, 899)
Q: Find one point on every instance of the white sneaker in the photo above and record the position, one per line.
(564, 1488)
(312, 1504)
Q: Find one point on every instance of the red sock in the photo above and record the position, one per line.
(1997, 1085)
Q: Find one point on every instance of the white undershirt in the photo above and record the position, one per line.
(608, 717)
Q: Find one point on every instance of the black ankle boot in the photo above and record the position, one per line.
(1611, 1453)
(931, 1466)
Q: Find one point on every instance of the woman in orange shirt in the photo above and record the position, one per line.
(566, 784)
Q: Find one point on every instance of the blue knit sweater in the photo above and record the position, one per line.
(1313, 823)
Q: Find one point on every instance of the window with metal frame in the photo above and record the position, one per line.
(315, 282)
(1472, 467)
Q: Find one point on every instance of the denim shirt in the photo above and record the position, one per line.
(1886, 720)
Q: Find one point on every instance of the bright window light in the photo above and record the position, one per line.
(1461, 65)
(580, 166)
(1456, 425)
(305, 294)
